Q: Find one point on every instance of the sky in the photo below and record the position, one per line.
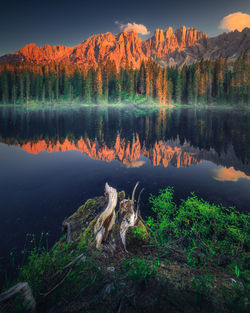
(70, 22)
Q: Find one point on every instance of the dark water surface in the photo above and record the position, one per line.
(52, 160)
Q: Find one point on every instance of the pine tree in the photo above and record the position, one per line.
(105, 80)
(165, 90)
(158, 86)
(147, 81)
(5, 87)
(218, 79)
(202, 88)
(196, 79)
(178, 88)
(88, 87)
(190, 91)
(27, 87)
(21, 87)
(142, 79)
(98, 82)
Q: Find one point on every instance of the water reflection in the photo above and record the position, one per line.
(128, 153)
(180, 137)
(229, 174)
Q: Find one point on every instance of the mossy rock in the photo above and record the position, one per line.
(83, 218)
(88, 234)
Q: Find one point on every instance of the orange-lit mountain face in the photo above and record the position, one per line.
(165, 42)
(126, 152)
(126, 47)
(184, 46)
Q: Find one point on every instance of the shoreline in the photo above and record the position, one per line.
(146, 264)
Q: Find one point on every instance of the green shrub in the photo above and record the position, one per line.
(139, 232)
(206, 231)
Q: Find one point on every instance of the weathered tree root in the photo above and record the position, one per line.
(24, 292)
(111, 227)
(106, 219)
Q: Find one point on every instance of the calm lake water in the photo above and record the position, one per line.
(53, 160)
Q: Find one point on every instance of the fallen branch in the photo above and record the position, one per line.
(56, 286)
(73, 262)
(68, 265)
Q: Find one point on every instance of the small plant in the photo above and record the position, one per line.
(191, 260)
(140, 270)
(139, 232)
(203, 284)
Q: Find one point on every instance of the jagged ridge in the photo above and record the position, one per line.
(184, 46)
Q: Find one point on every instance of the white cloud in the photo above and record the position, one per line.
(237, 20)
(139, 28)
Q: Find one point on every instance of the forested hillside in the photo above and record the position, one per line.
(206, 82)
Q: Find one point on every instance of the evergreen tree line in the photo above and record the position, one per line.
(205, 82)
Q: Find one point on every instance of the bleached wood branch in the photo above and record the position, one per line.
(57, 285)
(24, 291)
(73, 262)
(128, 215)
(70, 264)
(106, 220)
(138, 203)
(133, 193)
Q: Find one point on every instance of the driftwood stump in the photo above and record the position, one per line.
(101, 224)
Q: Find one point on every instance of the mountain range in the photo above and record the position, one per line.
(165, 47)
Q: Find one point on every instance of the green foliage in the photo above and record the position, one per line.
(203, 283)
(139, 232)
(207, 232)
(45, 268)
(140, 271)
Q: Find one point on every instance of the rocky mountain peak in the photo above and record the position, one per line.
(169, 32)
(184, 46)
(163, 43)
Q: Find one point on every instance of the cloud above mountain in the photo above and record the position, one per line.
(237, 20)
(139, 28)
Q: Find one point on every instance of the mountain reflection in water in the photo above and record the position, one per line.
(180, 137)
(161, 153)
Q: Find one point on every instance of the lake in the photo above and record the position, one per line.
(52, 160)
